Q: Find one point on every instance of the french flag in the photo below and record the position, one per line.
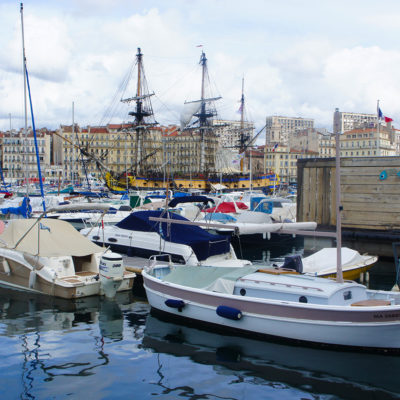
(381, 116)
(275, 147)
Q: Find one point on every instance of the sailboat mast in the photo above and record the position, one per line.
(202, 116)
(242, 137)
(339, 272)
(139, 116)
(25, 102)
(139, 78)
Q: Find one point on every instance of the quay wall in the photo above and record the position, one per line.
(370, 197)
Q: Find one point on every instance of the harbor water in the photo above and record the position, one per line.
(117, 349)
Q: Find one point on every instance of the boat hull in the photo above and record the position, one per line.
(71, 287)
(361, 327)
(262, 182)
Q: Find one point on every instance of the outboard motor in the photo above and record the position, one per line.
(111, 273)
(293, 262)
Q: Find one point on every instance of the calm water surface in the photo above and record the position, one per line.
(100, 349)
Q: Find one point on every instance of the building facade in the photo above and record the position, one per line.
(108, 148)
(347, 121)
(19, 160)
(364, 142)
(279, 129)
(283, 161)
(183, 154)
(229, 133)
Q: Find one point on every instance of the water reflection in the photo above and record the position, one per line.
(41, 322)
(348, 375)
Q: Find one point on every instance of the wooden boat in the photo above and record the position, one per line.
(275, 303)
(51, 257)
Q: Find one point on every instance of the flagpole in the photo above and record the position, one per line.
(378, 130)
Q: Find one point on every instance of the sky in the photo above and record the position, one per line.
(298, 58)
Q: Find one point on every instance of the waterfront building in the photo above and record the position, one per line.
(183, 155)
(347, 121)
(364, 142)
(111, 147)
(317, 140)
(229, 133)
(280, 129)
(283, 160)
(19, 159)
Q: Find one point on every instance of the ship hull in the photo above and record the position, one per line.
(265, 182)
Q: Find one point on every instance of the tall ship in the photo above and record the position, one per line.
(195, 163)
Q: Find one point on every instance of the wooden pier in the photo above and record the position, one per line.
(370, 198)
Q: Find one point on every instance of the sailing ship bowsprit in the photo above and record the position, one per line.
(199, 171)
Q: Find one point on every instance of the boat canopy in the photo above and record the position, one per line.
(204, 244)
(228, 207)
(48, 238)
(209, 278)
(190, 199)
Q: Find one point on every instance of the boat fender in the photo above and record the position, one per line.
(229, 312)
(174, 303)
(32, 279)
(6, 267)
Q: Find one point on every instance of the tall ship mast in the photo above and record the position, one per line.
(143, 112)
(244, 136)
(204, 111)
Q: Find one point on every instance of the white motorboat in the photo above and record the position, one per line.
(51, 257)
(279, 304)
(82, 215)
(138, 235)
(324, 263)
(236, 215)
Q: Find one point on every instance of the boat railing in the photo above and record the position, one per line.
(204, 224)
(153, 259)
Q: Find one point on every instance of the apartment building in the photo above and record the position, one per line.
(347, 121)
(364, 142)
(182, 150)
(229, 133)
(280, 129)
(19, 156)
(111, 147)
(283, 160)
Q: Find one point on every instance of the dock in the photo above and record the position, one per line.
(370, 193)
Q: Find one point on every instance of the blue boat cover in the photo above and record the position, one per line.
(204, 244)
(220, 217)
(25, 209)
(189, 199)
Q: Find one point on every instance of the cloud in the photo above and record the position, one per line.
(295, 59)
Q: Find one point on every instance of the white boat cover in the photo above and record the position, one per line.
(325, 259)
(47, 238)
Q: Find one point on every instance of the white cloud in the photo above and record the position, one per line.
(298, 58)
